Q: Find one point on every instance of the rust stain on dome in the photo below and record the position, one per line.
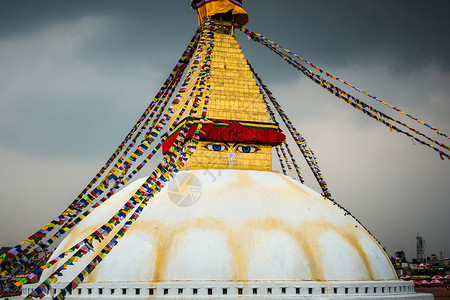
(168, 242)
(294, 190)
(300, 236)
(238, 243)
(351, 236)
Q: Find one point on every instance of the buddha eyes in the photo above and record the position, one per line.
(247, 149)
(221, 147)
(216, 147)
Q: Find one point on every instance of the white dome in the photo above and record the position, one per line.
(232, 225)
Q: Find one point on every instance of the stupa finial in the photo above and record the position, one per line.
(238, 132)
(226, 10)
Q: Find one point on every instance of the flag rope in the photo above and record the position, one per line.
(263, 40)
(165, 162)
(19, 255)
(174, 168)
(358, 104)
(144, 146)
(298, 138)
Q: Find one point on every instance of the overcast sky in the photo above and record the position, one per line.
(76, 75)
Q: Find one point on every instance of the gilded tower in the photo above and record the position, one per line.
(240, 131)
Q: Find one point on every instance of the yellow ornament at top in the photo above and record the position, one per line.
(231, 10)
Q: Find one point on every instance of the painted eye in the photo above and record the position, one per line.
(215, 147)
(247, 149)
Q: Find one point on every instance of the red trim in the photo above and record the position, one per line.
(233, 133)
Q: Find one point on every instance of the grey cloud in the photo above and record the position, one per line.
(60, 104)
(405, 35)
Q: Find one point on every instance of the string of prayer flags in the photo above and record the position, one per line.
(298, 138)
(265, 41)
(174, 168)
(297, 169)
(79, 204)
(60, 232)
(283, 168)
(363, 107)
(377, 115)
(273, 119)
(335, 90)
(167, 117)
(283, 151)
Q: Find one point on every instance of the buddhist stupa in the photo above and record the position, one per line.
(227, 225)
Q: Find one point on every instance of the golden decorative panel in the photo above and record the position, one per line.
(204, 158)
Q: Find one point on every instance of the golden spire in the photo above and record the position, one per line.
(243, 133)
